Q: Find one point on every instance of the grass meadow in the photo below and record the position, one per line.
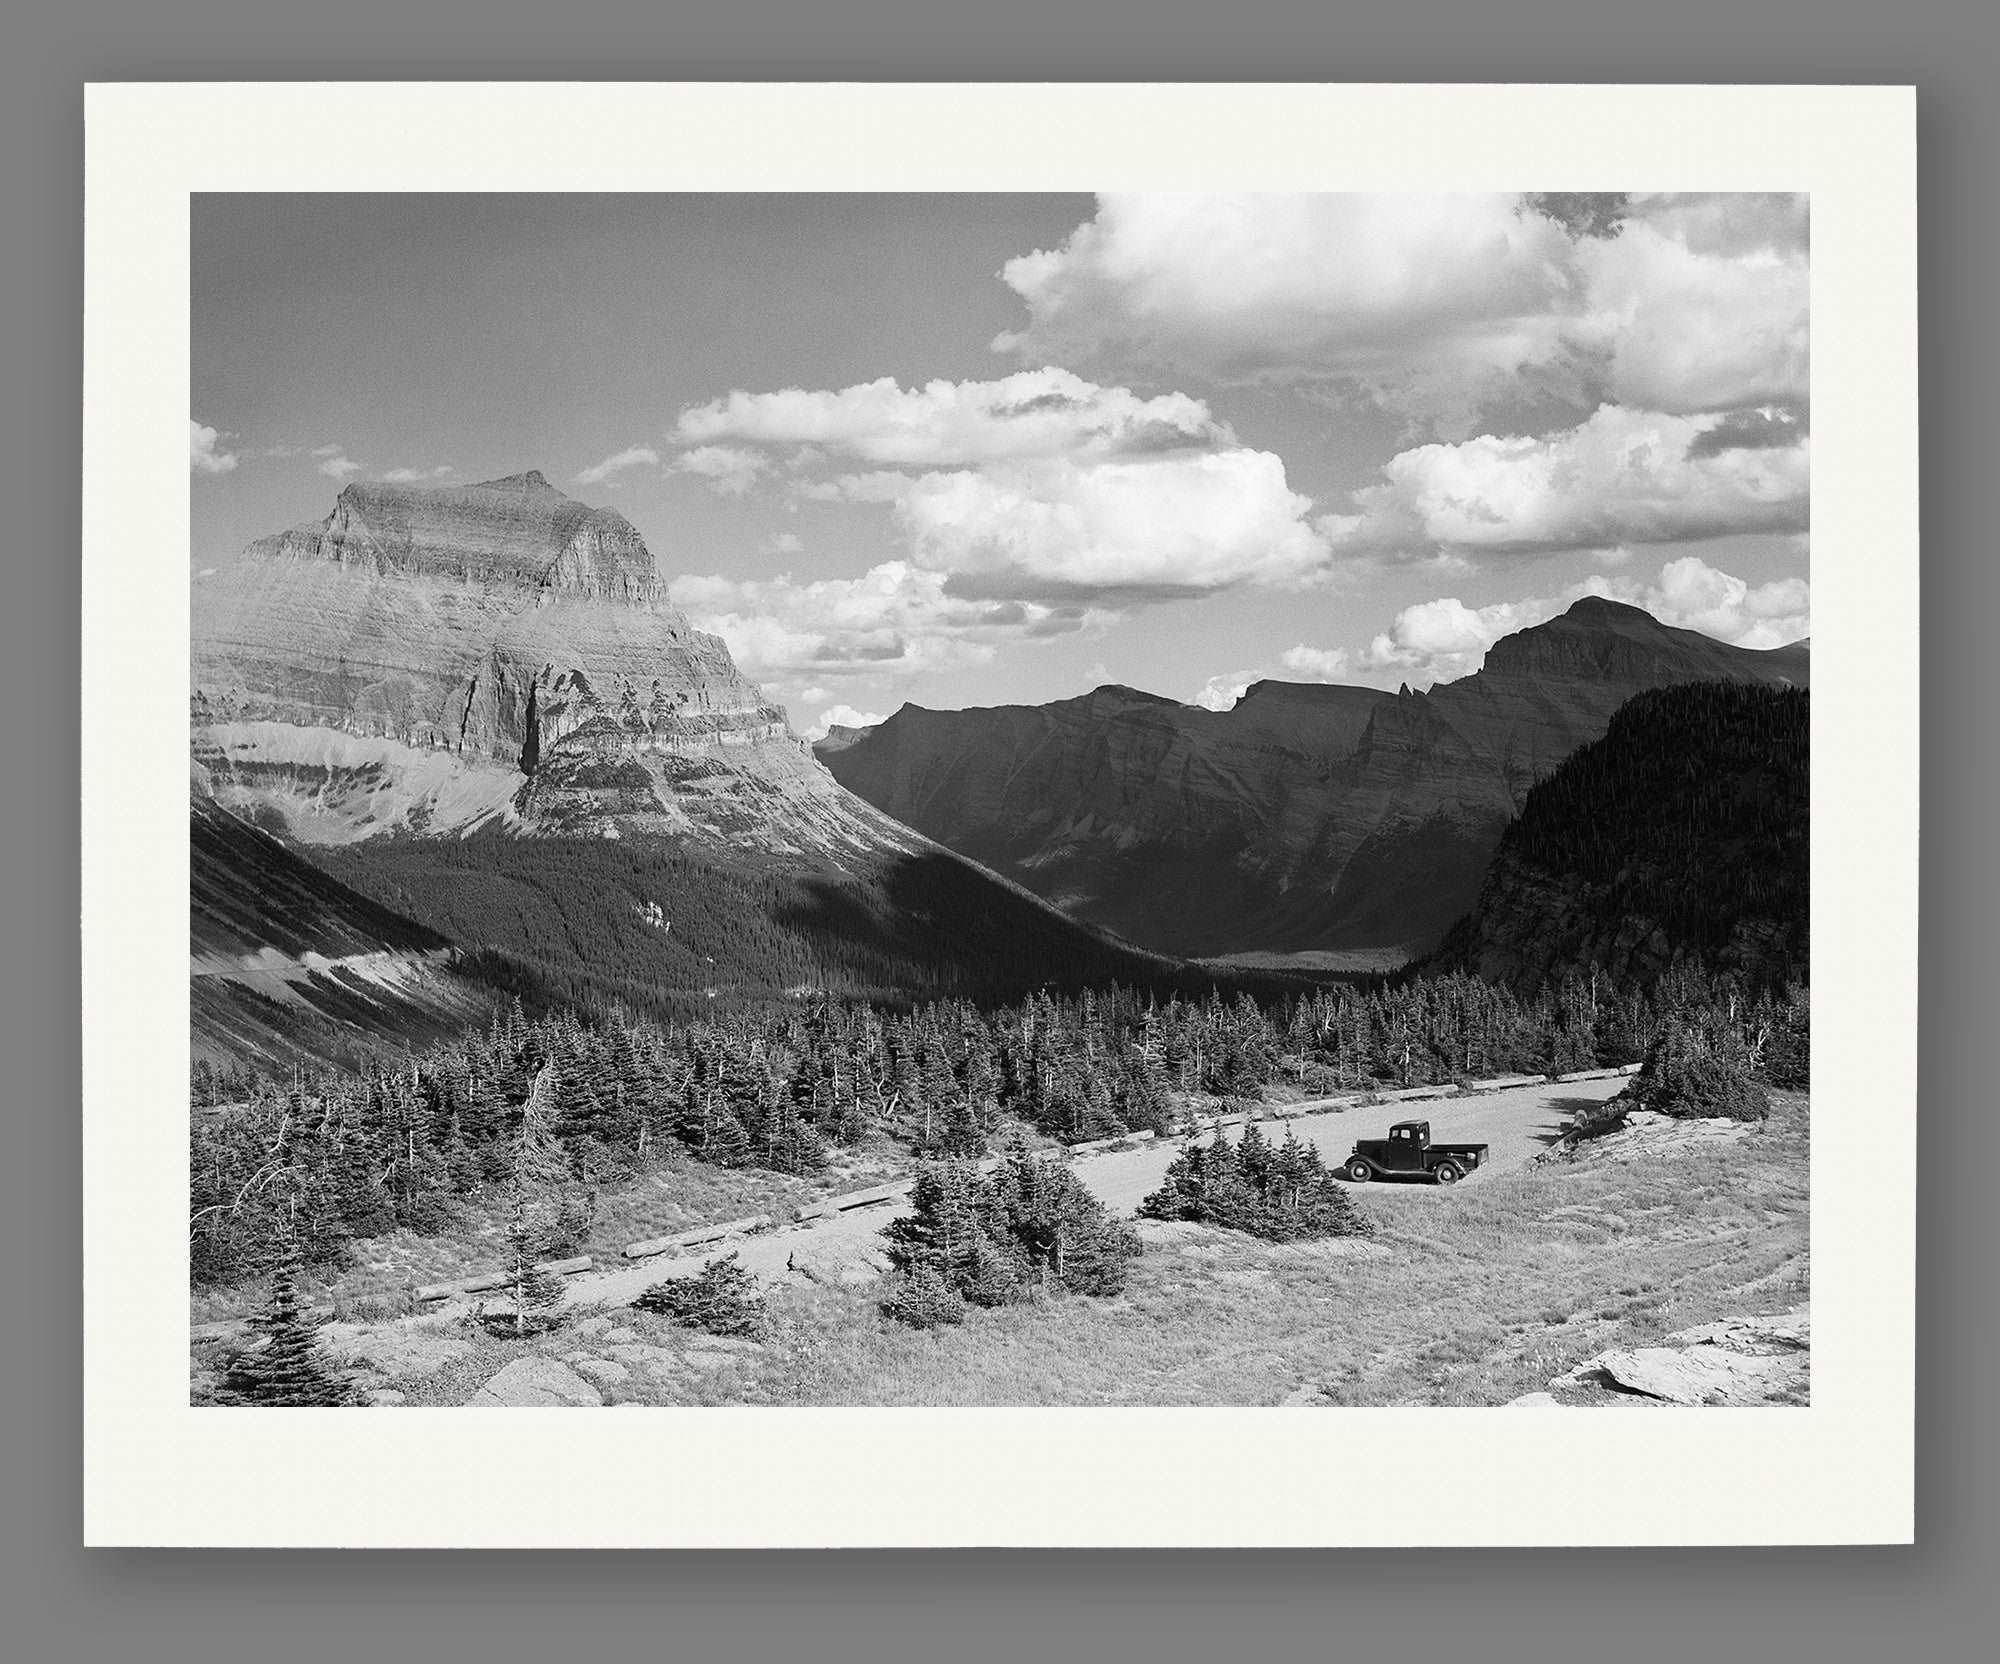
(1469, 1295)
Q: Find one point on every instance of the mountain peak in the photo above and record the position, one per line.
(1602, 609)
(533, 480)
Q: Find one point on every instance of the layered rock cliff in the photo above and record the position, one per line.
(1305, 817)
(436, 659)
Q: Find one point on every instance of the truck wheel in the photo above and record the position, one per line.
(1357, 1170)
(1447, 1172)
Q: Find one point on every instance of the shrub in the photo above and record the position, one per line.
(1030, 1228)
(1283, 1194)
(1695, 1071)
(720, 1299)
(924, 1300)
(1065, 1237)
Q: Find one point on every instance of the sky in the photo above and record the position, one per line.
(1002, 449)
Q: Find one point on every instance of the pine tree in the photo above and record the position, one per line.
(288, 1369)
(1069, 1240)
(538, 1203)
(1283, 1194)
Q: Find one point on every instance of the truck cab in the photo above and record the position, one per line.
(1403, 1150)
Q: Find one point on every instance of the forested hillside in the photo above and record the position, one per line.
(672, 932)
(1679, 838)
(780, 1088)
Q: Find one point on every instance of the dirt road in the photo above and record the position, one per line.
(1517, 1123)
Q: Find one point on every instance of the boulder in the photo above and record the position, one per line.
(536, 1381)
(1692, 1375)
(836, 1261)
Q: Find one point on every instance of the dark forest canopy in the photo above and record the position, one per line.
(1682, 837)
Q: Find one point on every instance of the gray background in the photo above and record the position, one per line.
(1933, 1602)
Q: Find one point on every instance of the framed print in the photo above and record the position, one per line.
(999, 815)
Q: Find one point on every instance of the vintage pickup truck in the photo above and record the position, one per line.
(1408, 1150)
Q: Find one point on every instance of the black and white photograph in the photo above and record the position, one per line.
(1000, 799)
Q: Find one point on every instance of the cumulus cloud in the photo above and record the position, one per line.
(335, 463)
(1314, 664)
(1037, 486)
(206, 455)
(786, 543)
(1699, 307)
(418, 476)
(1411, 296)
(727, 469)
(1438, 641)
(897, 618)
(843, 716)
(1134, 530)
(1221, 692)
(635, 456)
(1621, 476)
(1435, 304)
(1037, 413)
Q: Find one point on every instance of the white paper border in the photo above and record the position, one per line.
(159, 1472)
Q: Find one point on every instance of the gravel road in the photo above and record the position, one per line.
(1517, 1122)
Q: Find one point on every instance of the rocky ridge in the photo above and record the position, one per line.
(1306, 817)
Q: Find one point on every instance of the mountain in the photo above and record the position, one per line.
(1306, 817)
(476, 707)
(429, 660)
(289, 965)
(1679, 838)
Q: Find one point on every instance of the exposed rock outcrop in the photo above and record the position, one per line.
(435, 659)
(536, 1381)
(1738, 1361)
(1304, 817)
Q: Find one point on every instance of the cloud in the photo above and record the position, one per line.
(1314, 664)
(335, 463)
(1115, 531)
(1219, 693)
(1767, 428)
(1696, 596)
(1621, 476)
(897, 618)
(417, 476)
(635, 456)
(205, 455)
(786, 543)
(1435, 305)
(1698, 307)
(1295, 664)
(1038, 486)
(1437, 641)
(843, 716)
(728, 469)
(1035, 414)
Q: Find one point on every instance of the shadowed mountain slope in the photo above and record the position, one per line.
(289, 965)
(1306, 816)
(1681, 837)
